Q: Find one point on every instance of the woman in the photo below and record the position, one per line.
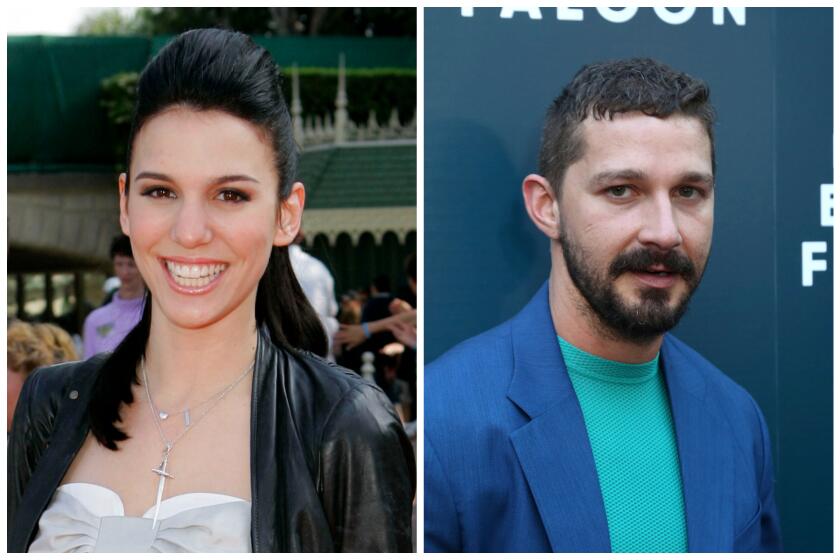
(214, 426)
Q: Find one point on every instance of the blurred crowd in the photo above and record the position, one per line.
(377, 337)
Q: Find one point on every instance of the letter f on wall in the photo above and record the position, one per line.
(810, 265)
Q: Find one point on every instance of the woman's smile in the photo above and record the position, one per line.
(193, 277)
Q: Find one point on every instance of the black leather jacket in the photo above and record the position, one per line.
(331, 468)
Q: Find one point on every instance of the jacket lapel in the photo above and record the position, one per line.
(553, 448)
(267, 515)
(705, 451)
(69, 431)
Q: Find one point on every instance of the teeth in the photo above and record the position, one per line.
(194, 276)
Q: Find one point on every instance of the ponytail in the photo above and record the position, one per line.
(285, 310)
(114, 381)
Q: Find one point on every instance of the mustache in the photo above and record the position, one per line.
(641, 259)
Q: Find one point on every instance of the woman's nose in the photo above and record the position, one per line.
(192, 225)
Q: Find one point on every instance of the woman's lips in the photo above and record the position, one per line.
(193, 277)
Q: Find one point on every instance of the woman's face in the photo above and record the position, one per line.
(202, 212)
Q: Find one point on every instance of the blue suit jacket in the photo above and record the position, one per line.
(508, 465)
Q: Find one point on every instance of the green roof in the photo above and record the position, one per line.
(371, 174)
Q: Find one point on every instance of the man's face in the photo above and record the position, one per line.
(636, 215)
(126, 271)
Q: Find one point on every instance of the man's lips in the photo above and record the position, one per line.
(656, 277)
(654, 266)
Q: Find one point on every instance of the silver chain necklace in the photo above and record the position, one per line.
(168, 444)
(185, 413)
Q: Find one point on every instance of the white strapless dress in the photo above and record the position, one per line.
(86, 517)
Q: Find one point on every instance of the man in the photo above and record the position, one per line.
(580, 425)
(106, 327)
(318, 285)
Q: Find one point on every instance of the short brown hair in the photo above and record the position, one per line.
(29, 346)
(603, 89)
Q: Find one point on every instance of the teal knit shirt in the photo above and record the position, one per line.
(628, 420)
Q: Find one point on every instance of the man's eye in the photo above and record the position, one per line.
(688, 192)
(158, 192)
(619, 191)
(232, 196)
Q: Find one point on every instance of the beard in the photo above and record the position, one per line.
(638, 322)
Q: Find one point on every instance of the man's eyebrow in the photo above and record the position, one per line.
(215, 181)
(610, 176)
(618, 175)
(697, 177)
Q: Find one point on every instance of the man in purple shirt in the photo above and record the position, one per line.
(107, 326)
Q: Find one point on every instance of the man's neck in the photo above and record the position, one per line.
(575, 322)
(129, 293)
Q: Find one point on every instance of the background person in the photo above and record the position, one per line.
(28, 347)
(318, 285)
(106, 327)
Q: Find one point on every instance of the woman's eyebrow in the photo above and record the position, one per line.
(153, 175)
(232, 179)
(215, 181)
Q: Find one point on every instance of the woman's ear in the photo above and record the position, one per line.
(124, 223)
(289, 216)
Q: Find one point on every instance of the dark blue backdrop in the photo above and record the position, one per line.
(488, 80)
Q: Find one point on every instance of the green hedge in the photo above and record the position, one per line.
(378, 89)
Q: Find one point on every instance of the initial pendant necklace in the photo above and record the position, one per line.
(161, 470)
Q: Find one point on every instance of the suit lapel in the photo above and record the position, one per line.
(553, 448)
(705, 451)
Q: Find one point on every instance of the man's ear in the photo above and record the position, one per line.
(541, 204)
(124, 224)
(289, 216)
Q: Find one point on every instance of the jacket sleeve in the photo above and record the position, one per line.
(367, 474)
(771, 535)
(764, 535)
(32, 425)
(441, 527)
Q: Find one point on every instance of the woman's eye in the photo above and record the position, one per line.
(232, 196)
(158, 192)
(619, 191)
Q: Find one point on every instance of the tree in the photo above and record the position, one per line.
(367, 22)
(110, 21)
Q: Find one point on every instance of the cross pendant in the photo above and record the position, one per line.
(161, 472)
(161, 469)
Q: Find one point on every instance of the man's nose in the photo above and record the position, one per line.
(192, 225)
(660, 227)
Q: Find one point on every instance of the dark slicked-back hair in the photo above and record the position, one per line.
(215, 70)
(603, 89)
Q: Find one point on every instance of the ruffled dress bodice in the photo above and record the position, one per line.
(86, 517)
